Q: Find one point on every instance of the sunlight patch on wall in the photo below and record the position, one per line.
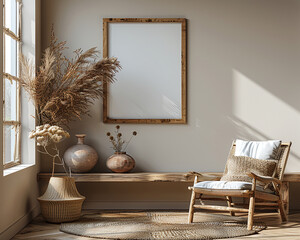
(266, 114)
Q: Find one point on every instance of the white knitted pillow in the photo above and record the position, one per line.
(257, 149)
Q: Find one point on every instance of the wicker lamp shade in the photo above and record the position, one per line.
(61, 202)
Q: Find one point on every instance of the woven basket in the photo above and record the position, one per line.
(61, 202)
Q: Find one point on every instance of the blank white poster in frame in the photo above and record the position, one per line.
(151, 87)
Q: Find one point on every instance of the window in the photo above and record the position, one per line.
(11, 88)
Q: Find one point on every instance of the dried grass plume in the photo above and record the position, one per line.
(62, 88)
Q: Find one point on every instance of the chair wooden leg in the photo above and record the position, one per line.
(191, 210)
(229, 201)
(251, 213)
(282, 211)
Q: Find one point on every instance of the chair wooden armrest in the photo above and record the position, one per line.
(192, 174)
(264, 179)
(203, 176)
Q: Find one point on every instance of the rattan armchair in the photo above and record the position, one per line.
(256, 199)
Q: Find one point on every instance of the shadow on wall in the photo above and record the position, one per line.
(258, 114)
(29, 208)
(244, 131)
(261, 54)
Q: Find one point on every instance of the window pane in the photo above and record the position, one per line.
(11, 135)
(9, 143)
(10, 56)
(10, 100)
(11, 15)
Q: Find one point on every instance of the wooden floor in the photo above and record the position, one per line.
(40, 230)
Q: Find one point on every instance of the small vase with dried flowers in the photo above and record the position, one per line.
(120, 162)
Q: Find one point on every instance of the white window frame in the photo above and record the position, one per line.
(16, 124)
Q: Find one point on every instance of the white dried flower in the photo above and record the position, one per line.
(45, 134)
(31, 134)
(56, 138)
(42, 141)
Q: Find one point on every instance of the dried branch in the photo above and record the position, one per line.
(117, 141)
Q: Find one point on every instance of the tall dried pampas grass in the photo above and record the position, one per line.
(63, 88)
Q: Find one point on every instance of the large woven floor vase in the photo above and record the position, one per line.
(61, 202)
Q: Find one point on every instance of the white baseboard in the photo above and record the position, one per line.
(179, 205)
(20, 224)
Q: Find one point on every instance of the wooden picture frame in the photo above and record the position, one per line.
(166, 38)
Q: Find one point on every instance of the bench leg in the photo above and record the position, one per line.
(285, 192)
(282, 211)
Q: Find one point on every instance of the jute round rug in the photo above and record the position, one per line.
(159, 225)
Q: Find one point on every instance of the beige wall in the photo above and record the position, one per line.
(243, 82)
(19, 190)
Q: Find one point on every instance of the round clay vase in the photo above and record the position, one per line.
(120, 162)
(80, 158)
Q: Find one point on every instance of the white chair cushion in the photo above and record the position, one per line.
(257, 149)
(229, 185)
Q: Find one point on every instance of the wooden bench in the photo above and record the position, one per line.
(134, 177)
(163, 177)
